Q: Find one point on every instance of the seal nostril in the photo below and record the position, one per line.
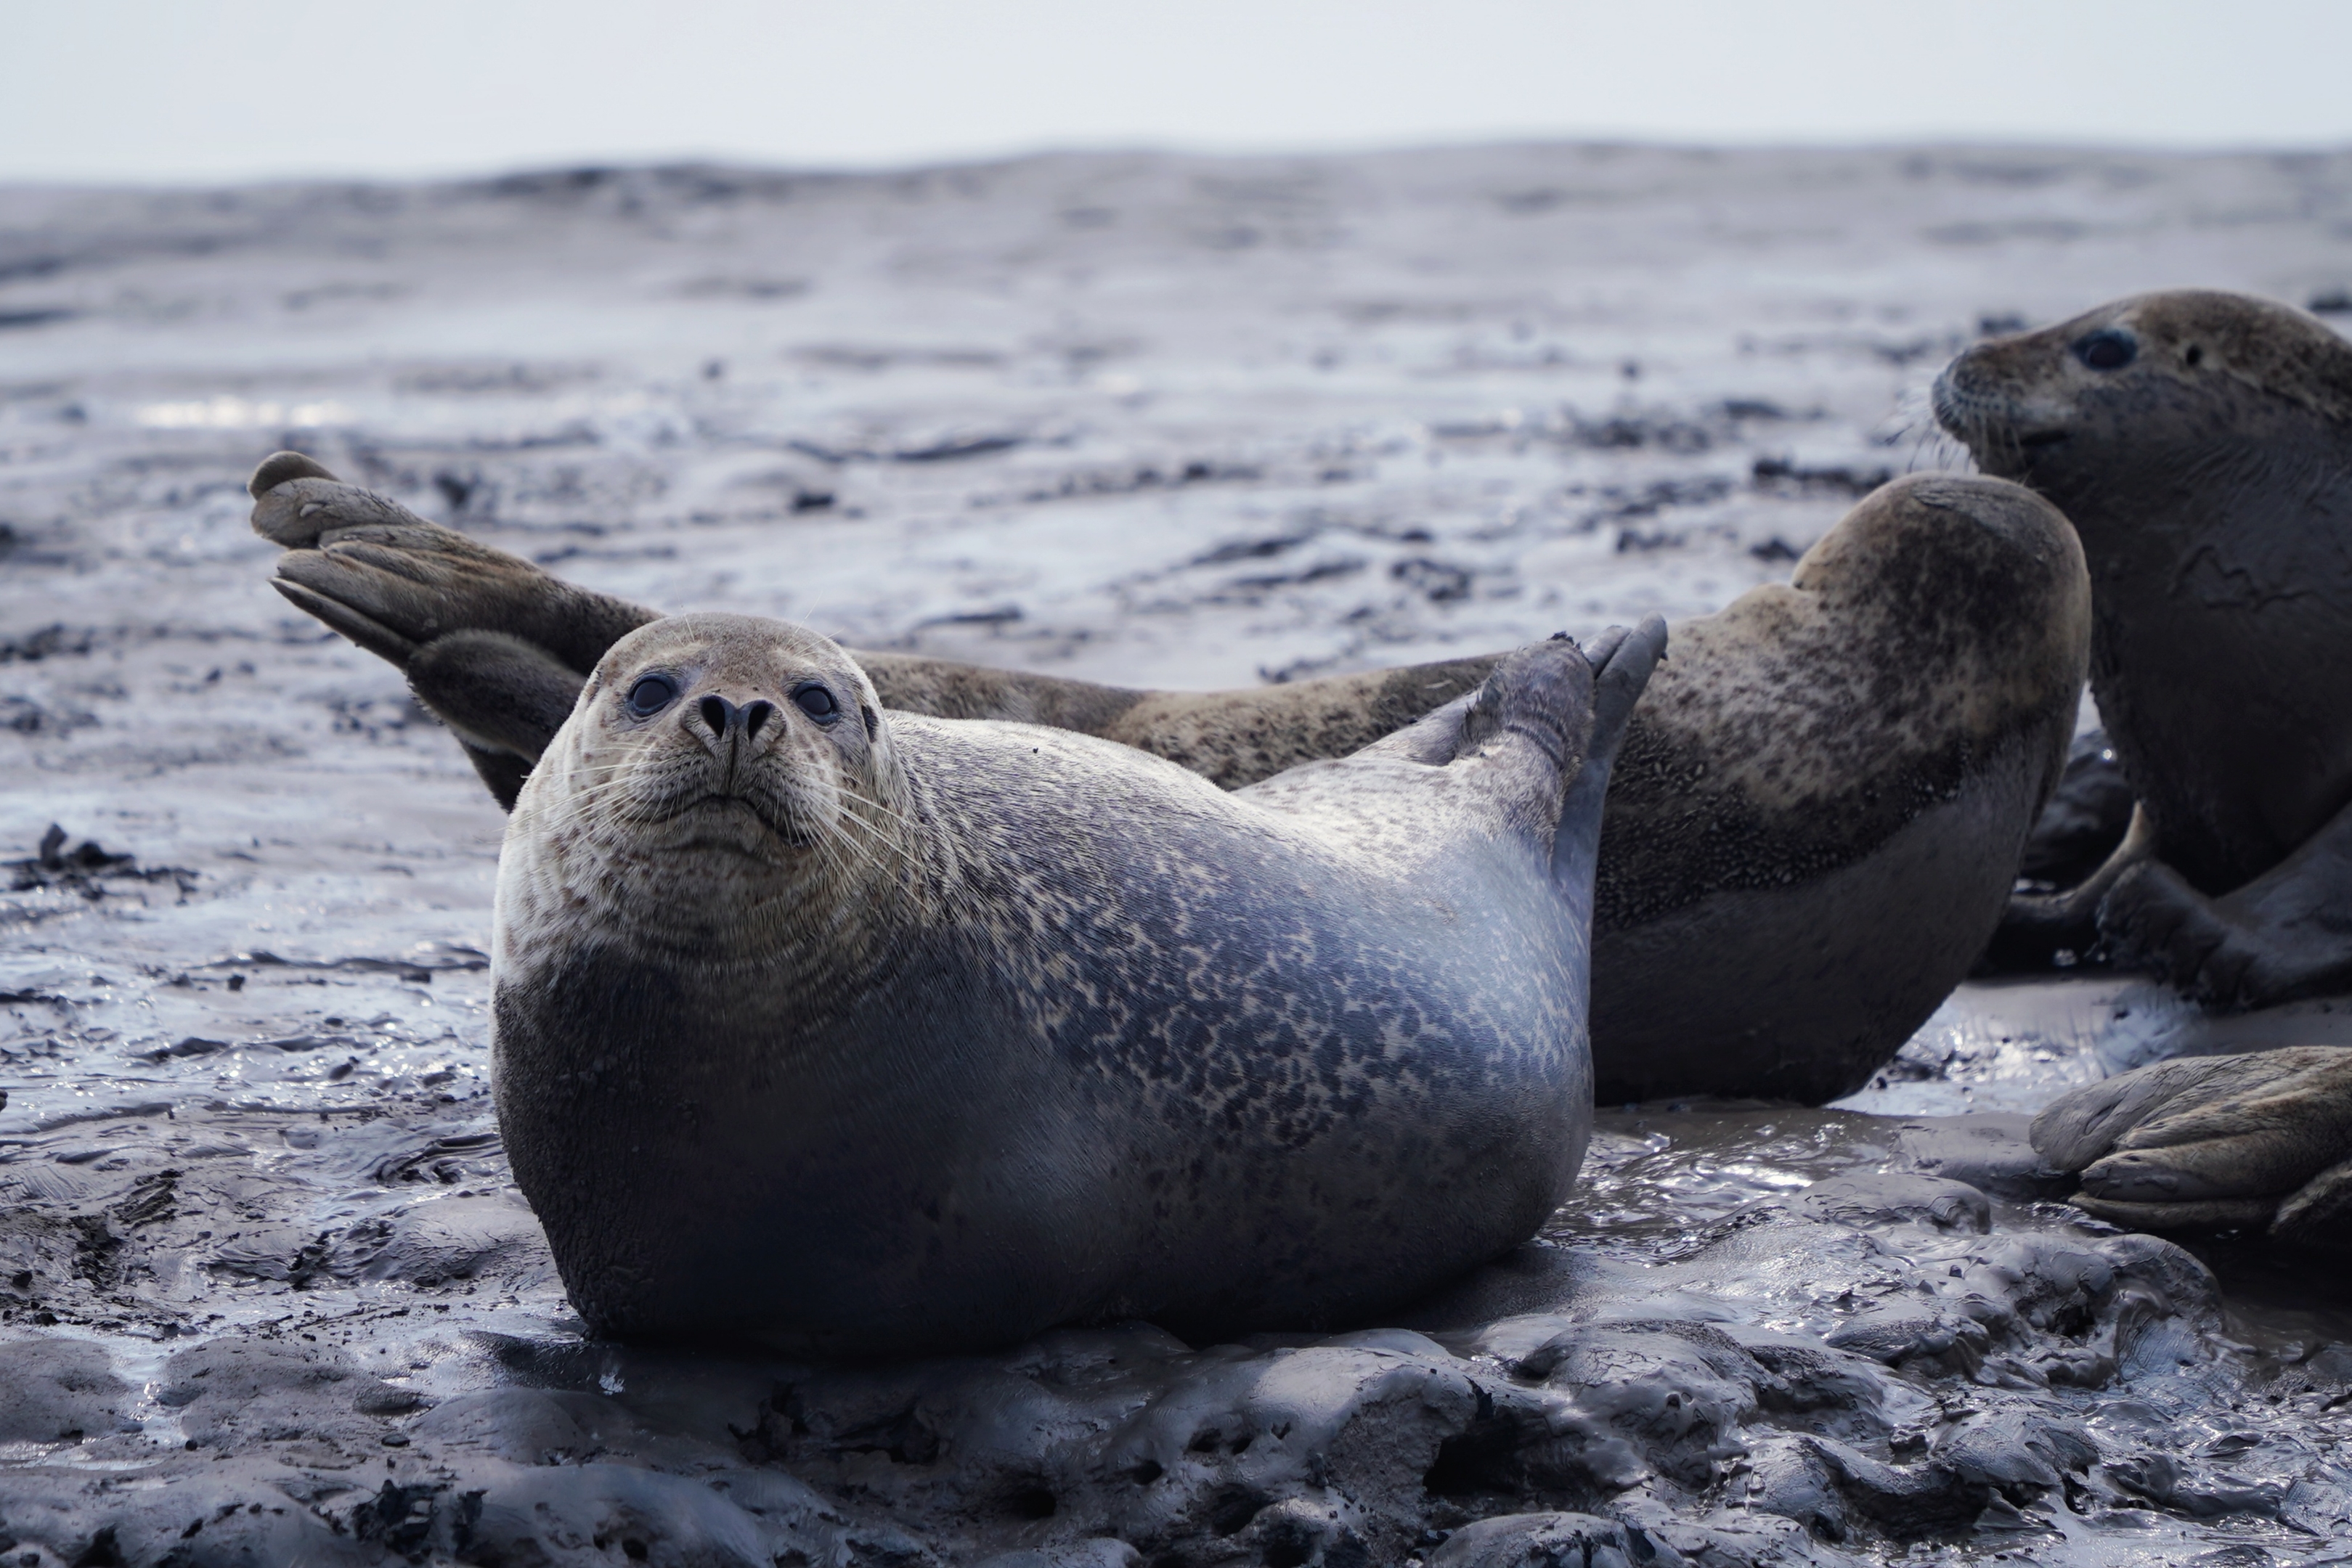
(714, 713)
(754, 715)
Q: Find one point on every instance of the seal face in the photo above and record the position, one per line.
(1818, 814)
(2201, 445)
(874, 1031)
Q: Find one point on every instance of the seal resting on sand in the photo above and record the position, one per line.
(875, 1032)
(1815, 834)
(2201, 443)
(2261, 1142)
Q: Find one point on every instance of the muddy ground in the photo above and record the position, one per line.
(266, 1294)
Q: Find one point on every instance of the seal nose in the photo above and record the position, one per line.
(723, 717)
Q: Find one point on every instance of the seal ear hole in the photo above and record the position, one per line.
(2195, 356)
(2109, 348)
(873, 722)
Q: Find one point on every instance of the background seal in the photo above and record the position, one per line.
(2201, 445)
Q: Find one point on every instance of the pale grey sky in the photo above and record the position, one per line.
(210, 89)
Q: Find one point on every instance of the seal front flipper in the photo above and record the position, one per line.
(2200, 1143)
(2278, 939)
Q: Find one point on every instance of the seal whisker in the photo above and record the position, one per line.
(897, 818)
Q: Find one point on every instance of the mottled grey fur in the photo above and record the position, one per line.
(913, 1033)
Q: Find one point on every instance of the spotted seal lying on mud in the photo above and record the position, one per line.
(2261, 1141)
(883, 1032)
(2201, 443)
(1812, 834)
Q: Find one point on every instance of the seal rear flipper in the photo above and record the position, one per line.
(504, 698)
(1622, 663)
(364, 630)
(398, 574)
(2286, 935)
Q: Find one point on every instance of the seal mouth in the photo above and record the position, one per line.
(783, 832)
(2036, 440)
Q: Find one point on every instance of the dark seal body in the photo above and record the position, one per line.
(2201, 445)
(965, 1030)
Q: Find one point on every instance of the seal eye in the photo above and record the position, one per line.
(818, 704)
(2111, 349)
(651, 694)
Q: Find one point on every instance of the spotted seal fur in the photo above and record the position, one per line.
(1816, 829)
(876, 1032)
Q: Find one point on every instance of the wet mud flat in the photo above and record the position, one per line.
(266, 1294)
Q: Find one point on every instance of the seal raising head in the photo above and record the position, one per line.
(871, 1031)
(2201, 445)
(733, 774)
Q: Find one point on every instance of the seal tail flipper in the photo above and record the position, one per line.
(398, 574)
(499, 693)
(495, 647)
(1622, 663)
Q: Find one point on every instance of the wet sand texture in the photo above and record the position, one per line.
(266, 1292)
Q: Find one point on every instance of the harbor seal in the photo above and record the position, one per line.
(2201, 445)
(871, 1032)
(1821, 813)
(2259, 1142)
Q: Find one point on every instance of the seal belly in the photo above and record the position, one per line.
(1800, 993)
(1198, 1149)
